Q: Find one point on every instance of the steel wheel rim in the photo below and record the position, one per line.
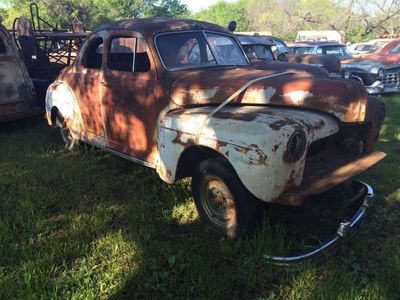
(217, 201)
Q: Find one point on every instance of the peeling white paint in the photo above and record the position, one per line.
(298, 97)
(259, 96)
(249, 145)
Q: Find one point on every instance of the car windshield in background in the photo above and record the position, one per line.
(258, 52)
(338, 51)
(302, 50)
(363, 48)
(188, 50)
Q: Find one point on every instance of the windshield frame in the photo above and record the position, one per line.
(204, 32)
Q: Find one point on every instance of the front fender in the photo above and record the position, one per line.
(253, 139)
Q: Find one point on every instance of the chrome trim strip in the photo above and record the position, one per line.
(125, 156)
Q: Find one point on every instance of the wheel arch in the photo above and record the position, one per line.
(192, 156)
(60, 99)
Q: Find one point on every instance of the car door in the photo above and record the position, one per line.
(85, 82)
(129, 88)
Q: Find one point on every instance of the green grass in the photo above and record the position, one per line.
(90, 225)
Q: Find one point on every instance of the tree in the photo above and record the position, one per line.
(222, 12)
(3, 14)
(93, 13)
(385, 19)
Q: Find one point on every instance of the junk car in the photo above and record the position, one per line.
(379, 71)
(180, 96)
(378, 78)
(17, 95)
(260, 50)
(338, 50)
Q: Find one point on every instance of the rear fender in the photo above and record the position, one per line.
(60, 97)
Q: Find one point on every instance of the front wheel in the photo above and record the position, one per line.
(221, 199)
(70, 143)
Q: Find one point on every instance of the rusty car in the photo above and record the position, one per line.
(17, 94)
(180, 96)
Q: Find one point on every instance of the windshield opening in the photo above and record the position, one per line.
(185, 50)
(258, 52)
(302, 50)
(338, 51)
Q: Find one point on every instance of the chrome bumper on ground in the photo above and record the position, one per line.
(345, 230)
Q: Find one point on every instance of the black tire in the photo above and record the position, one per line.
(222, 200)
(69, 142)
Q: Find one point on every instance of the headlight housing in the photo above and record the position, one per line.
(376, 70)
(296, 146)
(347, 75)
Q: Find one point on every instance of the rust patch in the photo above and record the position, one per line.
(178, 140)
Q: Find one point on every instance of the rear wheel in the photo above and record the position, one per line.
(70, 143)
(221, 199)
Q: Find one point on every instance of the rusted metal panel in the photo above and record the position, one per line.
(328, 178)
(347, 101)
(253, 139)
(17, 97)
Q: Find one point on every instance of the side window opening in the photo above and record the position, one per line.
(128, 54)
(3, 48)
(92, 58)
(395, 50)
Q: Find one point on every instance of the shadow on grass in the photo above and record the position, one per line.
(87, 224)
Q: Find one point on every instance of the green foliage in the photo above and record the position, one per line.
(3, 14)
(223, 12)
(93, 13)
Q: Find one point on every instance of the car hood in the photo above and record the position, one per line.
(344, 99)
(365, 65)
(295, 67)
(378, 58)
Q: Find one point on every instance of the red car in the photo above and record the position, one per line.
(389, 54)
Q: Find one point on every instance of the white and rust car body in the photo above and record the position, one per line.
(288, 131)
(17, 96)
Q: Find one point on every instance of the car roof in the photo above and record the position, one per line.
(389, 45)
(254, 40)
(314, 44)
(153, 26)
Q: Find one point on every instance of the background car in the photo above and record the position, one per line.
(265, 48)
(340, 51)
(17, 94)
(360, 48)
(388, 54)
(378, 78)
